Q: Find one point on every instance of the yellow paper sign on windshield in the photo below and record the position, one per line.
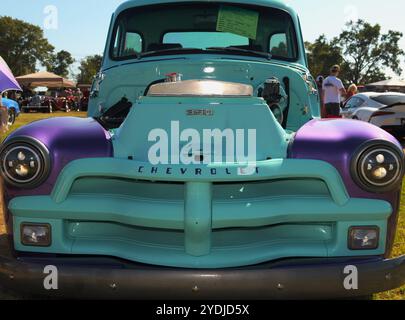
(238, 21)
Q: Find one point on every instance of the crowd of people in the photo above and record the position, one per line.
(333, 93)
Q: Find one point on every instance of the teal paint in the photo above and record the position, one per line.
(186, 216)
(130, 78)
(120, 82)
(235, 227)
(230, 248)
(132, 138)
(278, 4)
(266, 170)
(198, 218)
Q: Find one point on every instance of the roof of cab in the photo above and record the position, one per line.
(278, 4)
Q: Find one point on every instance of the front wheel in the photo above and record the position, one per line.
(11, 117)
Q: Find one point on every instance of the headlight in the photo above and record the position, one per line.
(25, 162)
(378, 167)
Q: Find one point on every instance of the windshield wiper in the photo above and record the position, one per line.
(262, 54)
(169, 51)
(234, 50)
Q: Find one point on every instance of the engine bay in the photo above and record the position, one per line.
(173, 86)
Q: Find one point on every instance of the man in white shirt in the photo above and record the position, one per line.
(333, 90)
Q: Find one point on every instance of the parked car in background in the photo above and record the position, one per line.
(38, 103)
(48, 103)
(63, 103)
(385, 110)
(13, 109)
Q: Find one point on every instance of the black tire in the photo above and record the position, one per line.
(355, 118)
(11, 117)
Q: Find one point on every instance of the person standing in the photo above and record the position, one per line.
(351, 91)
(319, 83)
(3, 117)
(333, 90)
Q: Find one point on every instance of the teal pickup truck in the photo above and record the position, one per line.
(203, 170)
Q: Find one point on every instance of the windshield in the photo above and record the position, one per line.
(172, 28)
(389, 99)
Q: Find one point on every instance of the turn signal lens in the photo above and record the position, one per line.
(38, 235)
(364, 238)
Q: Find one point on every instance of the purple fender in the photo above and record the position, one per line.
(336, 141)
(67, 139)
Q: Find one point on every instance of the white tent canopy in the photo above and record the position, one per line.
(388, 83)
(45, 79)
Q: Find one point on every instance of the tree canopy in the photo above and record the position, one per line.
(59, 63)
(322, 54)
(367, 51)
(89, 67)
(363, 51)
(22, 45)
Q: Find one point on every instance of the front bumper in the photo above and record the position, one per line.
(104, 278)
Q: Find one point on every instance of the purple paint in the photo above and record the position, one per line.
(67, 139)
(336, 141)
(7, 80)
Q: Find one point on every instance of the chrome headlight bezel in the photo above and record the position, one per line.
(370, 150)
(38, 153)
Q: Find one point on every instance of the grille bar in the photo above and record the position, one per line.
(198, 218)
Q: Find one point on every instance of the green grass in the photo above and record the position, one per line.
(26, 118)
(399, 247)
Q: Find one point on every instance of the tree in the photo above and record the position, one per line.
(89, 67)
(280, 51)
(367, 52)
(322, 55)
(23, 45)
(60, 63)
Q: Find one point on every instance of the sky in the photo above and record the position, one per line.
(81, 25)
